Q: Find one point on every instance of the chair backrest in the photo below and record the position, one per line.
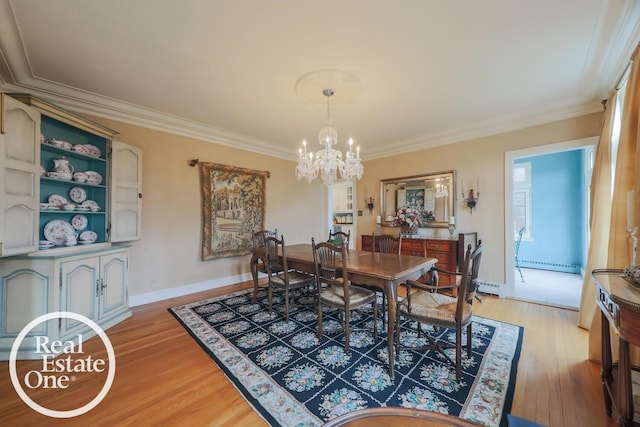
(472, 270)
(384, 243)
(275, 256)
(331, 265)
(518, 241)
(260, 236)
(340, 236)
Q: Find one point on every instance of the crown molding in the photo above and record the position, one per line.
(481, 130)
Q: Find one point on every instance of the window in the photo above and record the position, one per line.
(522, 199)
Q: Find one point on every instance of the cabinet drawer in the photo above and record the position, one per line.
(443, 258)
(440, 245)
(608, 306)
(415, 247)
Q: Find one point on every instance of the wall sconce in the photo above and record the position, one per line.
(370, 204)
(471, 199)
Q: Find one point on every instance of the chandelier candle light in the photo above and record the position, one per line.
(328, 161)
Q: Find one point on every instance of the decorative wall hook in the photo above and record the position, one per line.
(369, 201)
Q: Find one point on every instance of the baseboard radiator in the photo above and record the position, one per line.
(541, 265)
(492, 288)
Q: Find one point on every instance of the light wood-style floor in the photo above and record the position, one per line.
(164, 378)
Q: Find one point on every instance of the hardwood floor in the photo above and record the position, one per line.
(163, 377)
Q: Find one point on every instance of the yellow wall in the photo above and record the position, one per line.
(481, 159)
(168, 256)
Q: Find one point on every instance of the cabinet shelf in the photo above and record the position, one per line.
(71, 153)
(71, 183)
(61, 211)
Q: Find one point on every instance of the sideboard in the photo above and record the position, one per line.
(446, 250)
(619, 304)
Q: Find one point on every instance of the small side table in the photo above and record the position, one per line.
(619, 304)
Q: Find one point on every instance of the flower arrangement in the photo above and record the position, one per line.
(408, 217)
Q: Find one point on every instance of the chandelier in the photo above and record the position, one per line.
(328, 161)
(441, 191)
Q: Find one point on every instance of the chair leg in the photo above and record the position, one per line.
(375, 320)
(458, 353)
(286, 303)
(347, 331)
(319, 319)
(469, 337)
(396, 333)
(270, 300)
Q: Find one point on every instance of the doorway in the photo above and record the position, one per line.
(547, 197)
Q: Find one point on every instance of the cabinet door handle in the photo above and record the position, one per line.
(102, 286)
(97, 287)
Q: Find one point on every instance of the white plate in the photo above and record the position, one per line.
(79, 222)
(82, 208)
(58, 230)
(86, 242)
(77, 194)
(93, 150)
(57, 200)
(93, 177)
(88, 236)
(82, 149)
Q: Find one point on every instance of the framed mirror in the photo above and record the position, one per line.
(432, 194)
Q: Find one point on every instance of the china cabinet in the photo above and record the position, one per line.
(342, 196)
(19, 170)
(71, 192)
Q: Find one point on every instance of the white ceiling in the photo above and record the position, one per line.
(428, 72)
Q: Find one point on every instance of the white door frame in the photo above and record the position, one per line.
(509, 158)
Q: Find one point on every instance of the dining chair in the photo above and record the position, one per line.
(427, 306)
(517, 250)
(384, 243)
(341, 237)
(280, 276)
(259, 238)
(334, 287)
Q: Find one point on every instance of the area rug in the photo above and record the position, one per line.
(292, 378)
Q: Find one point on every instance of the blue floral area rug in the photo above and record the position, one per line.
(292, 378)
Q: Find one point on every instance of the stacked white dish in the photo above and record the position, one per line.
(87, 237)
(46, 244)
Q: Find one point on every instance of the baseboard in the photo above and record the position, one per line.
(163, 294)
(492, 288)
(540, 265)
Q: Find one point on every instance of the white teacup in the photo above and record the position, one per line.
(71, 240)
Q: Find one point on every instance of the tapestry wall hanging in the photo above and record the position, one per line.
(233, 203)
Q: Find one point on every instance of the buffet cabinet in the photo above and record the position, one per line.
(93, 284)
(69, 192)
(445, 250)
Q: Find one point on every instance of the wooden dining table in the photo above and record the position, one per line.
(382, 270)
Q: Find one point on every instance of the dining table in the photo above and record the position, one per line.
(385, 271)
